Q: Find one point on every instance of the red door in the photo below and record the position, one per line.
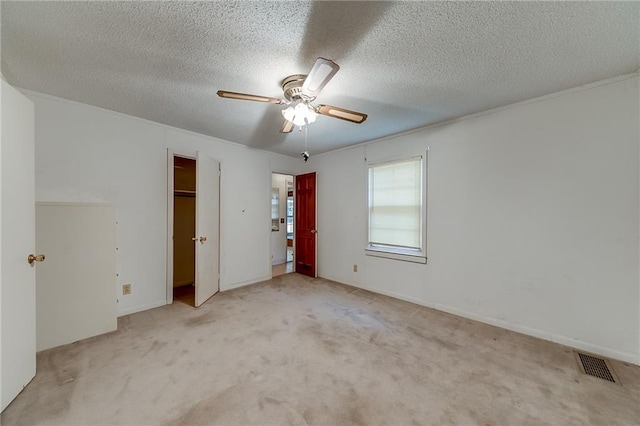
(305, 232)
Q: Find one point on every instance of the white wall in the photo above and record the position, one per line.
(87, 154)
(279, 238)
(533, 218)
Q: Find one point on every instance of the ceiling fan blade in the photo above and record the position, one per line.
(322, 71)
(342, 114)
(248, 97)
(287, 126)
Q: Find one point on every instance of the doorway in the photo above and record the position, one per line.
(282, 224)
(184, 228)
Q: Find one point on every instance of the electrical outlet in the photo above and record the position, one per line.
(126, 289)
(355, 268)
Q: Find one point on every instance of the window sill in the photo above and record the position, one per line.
(396, 255)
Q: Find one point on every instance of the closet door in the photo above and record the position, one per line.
(207, 238)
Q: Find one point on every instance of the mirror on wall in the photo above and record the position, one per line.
(275, 209)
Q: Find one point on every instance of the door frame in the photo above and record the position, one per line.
(170, 194)
(170, 189)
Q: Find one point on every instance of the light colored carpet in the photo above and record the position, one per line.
(295, 350)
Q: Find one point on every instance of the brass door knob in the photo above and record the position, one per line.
(35, 258)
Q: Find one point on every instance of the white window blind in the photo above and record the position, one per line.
(275, 203)
(395, 204)
(275, 209)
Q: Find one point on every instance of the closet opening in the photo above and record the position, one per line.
(184, 228)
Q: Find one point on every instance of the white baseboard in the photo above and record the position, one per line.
(563, 340)
(135, 309)
(556, 338)
(228, 287)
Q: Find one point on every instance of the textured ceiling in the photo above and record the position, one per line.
(406, 64)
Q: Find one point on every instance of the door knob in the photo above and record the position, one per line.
(201, 239)
(35, 258)
(313, 231)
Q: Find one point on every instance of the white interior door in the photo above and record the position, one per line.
(76, 286)
(17, 231)
(207, 238)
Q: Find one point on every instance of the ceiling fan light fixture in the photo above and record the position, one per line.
(299, 120)
(301, 109)
(311, 116)
(288, 113)
(300, 115)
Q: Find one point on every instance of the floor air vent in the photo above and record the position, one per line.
(597, 367)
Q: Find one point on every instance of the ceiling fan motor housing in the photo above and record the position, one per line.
(292, 87)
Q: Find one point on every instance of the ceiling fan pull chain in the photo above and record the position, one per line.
(305, 153)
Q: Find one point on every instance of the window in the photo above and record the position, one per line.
(275, 209)
(396, 210)
(290, 216)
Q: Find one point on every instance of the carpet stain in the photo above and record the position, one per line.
(331, 346)
(272, 401)
(308, 416)
(430, 339)
(51, 368)
(265, 360)
(125, 386)
(155, 347)
(200, 320)
(353, 411)
(545, 391)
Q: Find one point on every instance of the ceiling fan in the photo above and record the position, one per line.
(299, 92)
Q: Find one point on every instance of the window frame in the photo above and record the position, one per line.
(416, 255)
